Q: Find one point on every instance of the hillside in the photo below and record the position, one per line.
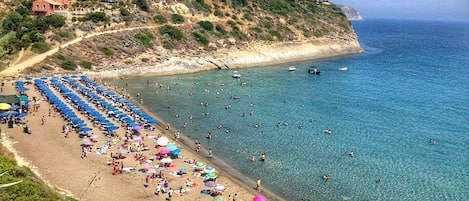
(184, 28)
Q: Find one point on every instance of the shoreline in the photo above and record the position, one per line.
(257, 55)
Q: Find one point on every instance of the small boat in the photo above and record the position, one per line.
(343, 68)
(236, 75)
(292, 68)
(313, 70)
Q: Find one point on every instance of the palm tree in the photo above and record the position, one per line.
(9, 184)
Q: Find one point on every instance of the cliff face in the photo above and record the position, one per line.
(351, 13)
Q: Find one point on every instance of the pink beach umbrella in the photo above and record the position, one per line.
(259, 198)
(165, 151)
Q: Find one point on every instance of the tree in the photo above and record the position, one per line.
(11, 21)
(55, 20)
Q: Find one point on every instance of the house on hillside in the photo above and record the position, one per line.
(49, 7)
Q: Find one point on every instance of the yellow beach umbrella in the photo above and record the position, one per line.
(5, 106)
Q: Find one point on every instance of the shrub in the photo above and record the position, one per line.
(97, 17)
(248, 16)
(218, 13)
(177, 19)
(61, 57)
(142, 4)
(207, 25)
(86, 64)
(145, 37)
(168, 44)
(55, 20)
(144, 59)
(107, 51)
(220, 29)
(201, 5)
(171, 32)
(68, 65)
(40, 47)
(160, 19)
(201, 38)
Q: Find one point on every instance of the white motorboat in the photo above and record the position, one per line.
(343, 68)
(292, 68)
(236, 75)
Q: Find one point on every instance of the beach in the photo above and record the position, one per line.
(56, 160)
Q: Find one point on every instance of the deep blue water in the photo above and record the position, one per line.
(411, 85)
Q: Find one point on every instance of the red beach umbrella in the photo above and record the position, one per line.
(259, 198)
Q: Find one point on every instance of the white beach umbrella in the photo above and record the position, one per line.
(162, 141)
(166, 160)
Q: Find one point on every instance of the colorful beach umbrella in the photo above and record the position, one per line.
(259, 198)
(218, 198)
(164, 150)
(209, 169)
(220, 188)
(171, 147)
(210, 184)
(200, 165)
(211, 175)
(5, 106)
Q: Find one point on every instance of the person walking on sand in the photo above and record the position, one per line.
(210, 153)
(158, 189)
(43, 120)
(258, 185)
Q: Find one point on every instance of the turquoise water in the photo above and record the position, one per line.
(411, 86)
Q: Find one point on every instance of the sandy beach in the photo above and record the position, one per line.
(56, 159)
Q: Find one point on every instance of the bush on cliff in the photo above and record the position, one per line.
(171, 32)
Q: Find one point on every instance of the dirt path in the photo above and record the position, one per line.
(18, 67)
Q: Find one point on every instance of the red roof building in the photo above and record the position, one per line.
(49, 7)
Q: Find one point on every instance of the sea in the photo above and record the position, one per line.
(402, 108)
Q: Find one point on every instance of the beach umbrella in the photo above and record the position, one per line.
(94, 137)
(21, 115)
(5, 106)
(15, 107)
(166, 160)
(220, 188)
(162, 141)
(218, 198)
(210, 184)
(85, 129)
(182, 170)
(209, 169)
(164, 151)
(176, 152)
(259, 198)
(4, 114)
(211, 175)
(137, 128)
(122, 151)
(171, 147)
(200, 165)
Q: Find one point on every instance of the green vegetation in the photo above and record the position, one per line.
(160, 19)
(177, 19)
(145, 37)
(142, 4)
(31, 188)
(107, 51)
(220, 29)
(201, 38)
(171, 32)
(200, 5)
(40, 47)
(97, 17)
(126, 14)
(86, 64)
(207, 25)
(66, 63)
(19, 29)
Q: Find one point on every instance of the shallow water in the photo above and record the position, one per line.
(409, 87)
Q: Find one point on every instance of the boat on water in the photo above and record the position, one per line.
(313, 70)
(292, 68)
(343, 68)
(236, 75)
